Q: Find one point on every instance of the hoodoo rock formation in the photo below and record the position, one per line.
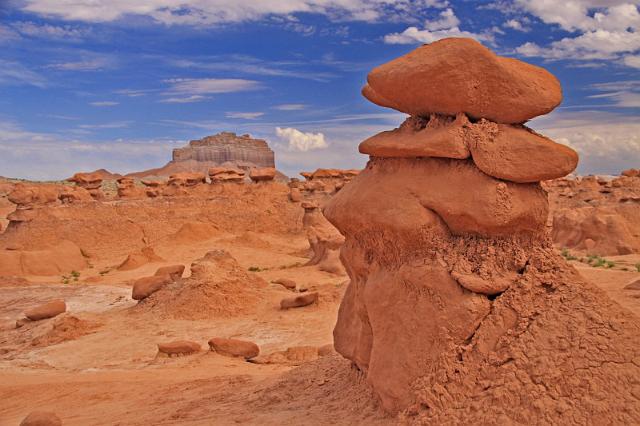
(459, 310)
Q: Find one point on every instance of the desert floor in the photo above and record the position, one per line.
(101, 367)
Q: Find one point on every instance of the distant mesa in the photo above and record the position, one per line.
(224, 149)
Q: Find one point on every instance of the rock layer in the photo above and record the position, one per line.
(227, 146)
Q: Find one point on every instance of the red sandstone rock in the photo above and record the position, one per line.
(174, 271)
(87, 180)
(234, 347)
(631, 173)
(186, 179)
(226, 174)
(47, 310)
(145, 287)
(633, 285)
(263, 174)
(137, 259)
(295, 195)
(179, 347)
(286, 283)
(299, 301)
(460, 75)
(41, 418)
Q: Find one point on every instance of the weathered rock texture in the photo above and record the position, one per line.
(459, 311)
(227, 146)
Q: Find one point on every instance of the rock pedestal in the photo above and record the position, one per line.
(457, 300)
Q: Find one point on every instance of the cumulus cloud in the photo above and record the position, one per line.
(301, 141)
(445, 26)
(605, 29)
(632, 61)
(515, 24)
(244, 115)
(211, 12)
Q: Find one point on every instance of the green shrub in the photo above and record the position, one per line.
(254, 269)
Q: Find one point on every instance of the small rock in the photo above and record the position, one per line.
(48, 310)
(179, 347)
(145, 287)
(286, 283)
(41, 418)
(173, 271)
(234, 347)
(633, 285)
(299, 301)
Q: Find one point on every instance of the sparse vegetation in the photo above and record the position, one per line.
(638, 267)
(293, 265)
(567, 255)
(254, 269)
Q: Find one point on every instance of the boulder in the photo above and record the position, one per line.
(439, 136)
(145, 287)
(234, 347)
(518, 154)
(295, 195)
(178, 347)
(299, 301)
(226, 174)
(286, 283)
(47, 310)
(41, 418)
(456, 75)
(263, 174)
(174, 271)
(186, 179)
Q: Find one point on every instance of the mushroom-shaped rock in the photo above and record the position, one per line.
(41, 418)
(299, 301)
(262, 174)
(178, 347)
(286, 283)
(47, 310)
(234, 347)
(145, 287)
(295, 195)
(457, 75)
(226, 174)
(187, 179)
(517, 154)
(174, 271)
(87, 180)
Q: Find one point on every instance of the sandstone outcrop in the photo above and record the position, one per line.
(458, 300)
(305, 299)
(174, 271)
(264, 174)
(234, 347)
(186, 179)
(41, 418)
(421, 82)
(139, 258)
(127, 188)
(286, 283)
(59, 259)
(179, 347)
(226, 174)
(146, 286)
(47, 310)
(324, 240)
(92, 182)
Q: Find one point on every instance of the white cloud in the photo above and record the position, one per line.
(203, 86)
(211, 12)
(300, 141)
(632, 61)
(104, 103)
(607, 29)
(515, 24)
(184, 100)
(607, 143)
(290, 107)
(445, 26)
(94, 64)
(47, 31)
(14, 73)
(244, 115)
(623, 94)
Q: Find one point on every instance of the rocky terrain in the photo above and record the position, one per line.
(459, 278)
(224, 149)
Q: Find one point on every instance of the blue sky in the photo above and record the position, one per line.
(87, 84)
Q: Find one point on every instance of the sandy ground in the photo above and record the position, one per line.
(104, 370)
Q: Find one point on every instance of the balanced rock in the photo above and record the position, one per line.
(179, 347)
(87, 180)
(234, 347)
(299, 301)
(186, 179)
(41, 418)
(47, 310)
(262, 174)
(174, 271)
(440, 78)
(145, 287)
(226, 174)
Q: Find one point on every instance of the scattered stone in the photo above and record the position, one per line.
(47, 310)
(174, 271)
(286, 283)
(41, 418)
(234, 347)
(299, 301)
(145, 287)
(179, 347)
(263, 174)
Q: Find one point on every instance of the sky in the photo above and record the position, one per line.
(117, 84)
